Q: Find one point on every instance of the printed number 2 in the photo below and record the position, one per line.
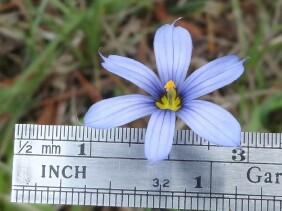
(238, 154)
(157, 183)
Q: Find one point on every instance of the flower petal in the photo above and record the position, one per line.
(211, 122)
(135, 72)
(118, 111)
(173, 47)
(212, 76)
(159, 135)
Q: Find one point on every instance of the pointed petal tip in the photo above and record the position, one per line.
(212, 76)
(246, 59)
(101, 55)
(176, 20)
(135, 72)
(117, 111)
(173, 50)
(241, 60)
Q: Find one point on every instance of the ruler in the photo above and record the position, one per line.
(77, 165)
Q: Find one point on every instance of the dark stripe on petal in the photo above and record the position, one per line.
(118, 111)
(211, 76)
(159, 135)
(211, 122)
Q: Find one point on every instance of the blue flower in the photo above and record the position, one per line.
(170, 95)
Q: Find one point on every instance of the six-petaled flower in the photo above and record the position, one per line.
(170, 95)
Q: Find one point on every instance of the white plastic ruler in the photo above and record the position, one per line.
(82, 166)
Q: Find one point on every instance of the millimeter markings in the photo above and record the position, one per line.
(77, 165)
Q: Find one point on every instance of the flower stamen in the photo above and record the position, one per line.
(170, 100)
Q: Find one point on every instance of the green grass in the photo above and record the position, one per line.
(52, 39)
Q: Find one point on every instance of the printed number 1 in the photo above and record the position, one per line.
(199, 182)
(82, 147)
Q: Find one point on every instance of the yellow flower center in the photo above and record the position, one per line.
(170, 100)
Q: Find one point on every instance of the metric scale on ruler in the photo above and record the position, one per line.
(82, 166)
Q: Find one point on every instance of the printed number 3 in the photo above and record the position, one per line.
(238, 154)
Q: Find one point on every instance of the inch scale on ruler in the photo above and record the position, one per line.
(82, 166)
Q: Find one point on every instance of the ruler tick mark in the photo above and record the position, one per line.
(172, 199)
(134, 196)
(222, 201)
(60, 191)
(160, 195)
(22, 195)
(103, 198)
(211, 168)
(28, 197)
(197, 197)
(248, 203)
(115, 200)
(236, 198)
(84, 198)
(72, 195)
(185, 197)
(261, 197)
(147, 199)
(47, 195)
(110, 151)
(35, 191)
(128, 199)
(97, 198)
(110, 186)
(121, 197)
